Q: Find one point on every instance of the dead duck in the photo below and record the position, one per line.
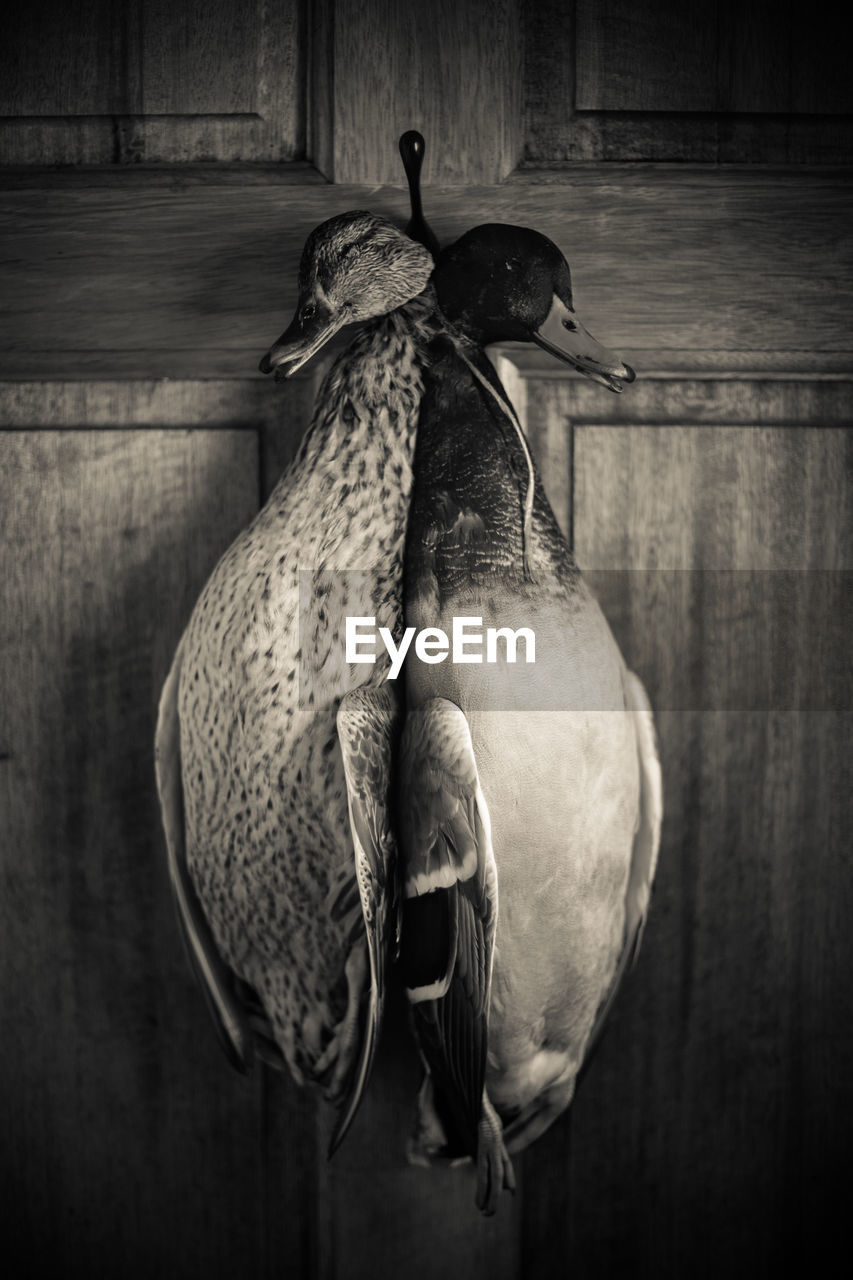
(272, 762)
(530, 792)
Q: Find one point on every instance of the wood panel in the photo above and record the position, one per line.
(127, 1103)
(617, 1184)
(148, 81)
(61, 59)
(124, 1135)
(738, 271)
(451, 70)
(548, 407)
(675, 63)
(724, 82)
(725, 56)
(670, 399)
(711, 1134)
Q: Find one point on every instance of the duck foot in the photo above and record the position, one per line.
(494, 1167)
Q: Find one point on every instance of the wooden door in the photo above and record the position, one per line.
(682, 163)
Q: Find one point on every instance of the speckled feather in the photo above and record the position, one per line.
(450, 906)
(268, 838)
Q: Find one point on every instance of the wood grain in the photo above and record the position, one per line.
(115, 531)
(60, 60)
(549, 429)
(710, 1136)
(675, 401)
(177, 280)
(152, 81)
(147, 81)
(724, 56)
(674, 62)
(614, 81)
(726, 1040)
(199, 58)
(124, 1135)
(712, 504)
(561, 142)
(453, 71)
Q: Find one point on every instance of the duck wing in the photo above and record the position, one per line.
(647, 839)
(369, 722)
(646, 844)
(218, 983)
(450, 907)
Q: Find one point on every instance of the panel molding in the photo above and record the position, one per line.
(685, 271)
(491, 84)
(723, 57)
(454, 71)
(155, 81)
(747, 958)
(604, 83)
(687, 401)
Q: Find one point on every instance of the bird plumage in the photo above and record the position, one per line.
(281, 895)
(555, 759)
(529, 799)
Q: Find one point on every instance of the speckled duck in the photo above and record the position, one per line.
(530, 793)
(273, 755)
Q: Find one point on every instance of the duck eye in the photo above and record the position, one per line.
(308, 311)
(570, 325)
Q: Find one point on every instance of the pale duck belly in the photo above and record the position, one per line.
(557, 759)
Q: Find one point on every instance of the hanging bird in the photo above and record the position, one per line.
(274, 754)
(530, 794)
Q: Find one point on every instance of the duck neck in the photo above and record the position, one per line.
(367, 407)
(471, 472)
(478, 506)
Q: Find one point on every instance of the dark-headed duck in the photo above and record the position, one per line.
(530, 791)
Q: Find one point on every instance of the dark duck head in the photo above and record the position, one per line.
(500, 283)
(476, 488)
(354, 267)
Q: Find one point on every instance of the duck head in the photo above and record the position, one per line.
(356, 266)
(500, 283)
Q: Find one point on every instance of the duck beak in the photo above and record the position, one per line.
(300, 341)
(564, 336)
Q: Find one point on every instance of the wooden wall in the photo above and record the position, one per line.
(152, 81)
(721, 82)
(491, 83)
(710, 504)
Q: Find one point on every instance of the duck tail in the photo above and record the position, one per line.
(433, 1140)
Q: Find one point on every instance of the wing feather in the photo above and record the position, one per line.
(449, 874)
(645, 852)
(369, 721)
(214, 977)
(647, 840)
